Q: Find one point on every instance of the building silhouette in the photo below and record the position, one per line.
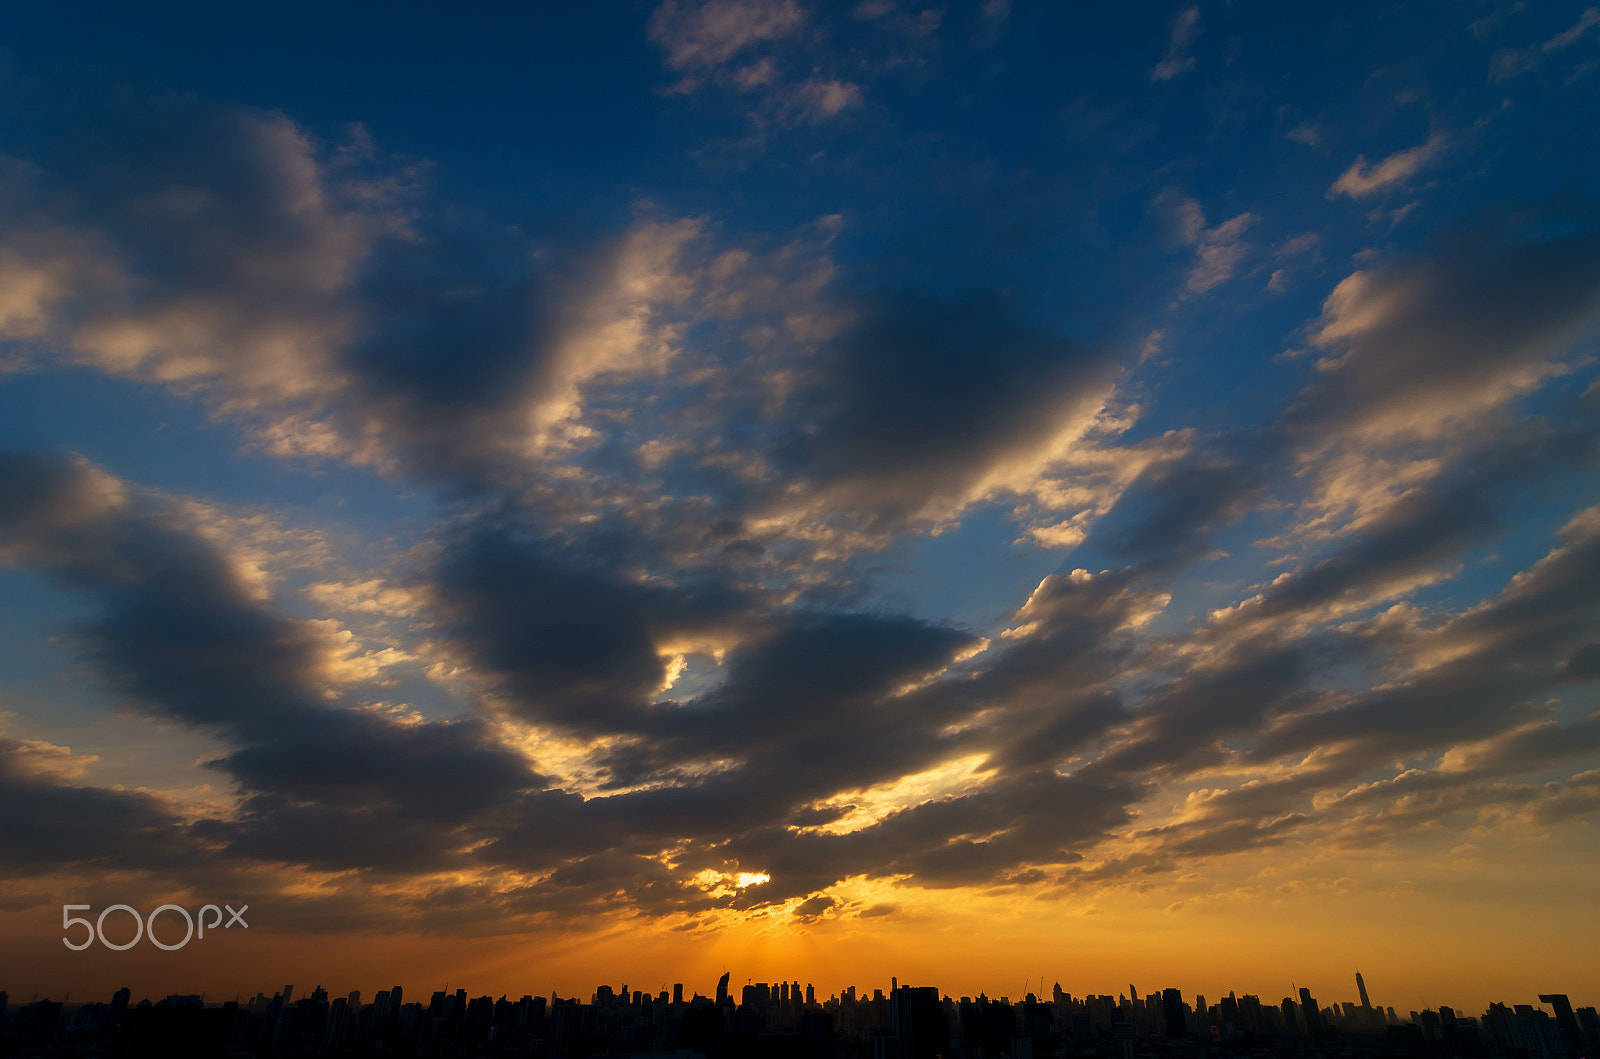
(787, 1020)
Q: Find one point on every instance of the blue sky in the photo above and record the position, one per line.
(1108, 446)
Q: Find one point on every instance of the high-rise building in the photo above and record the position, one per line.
(1588, 1021)
(339, 1027)
(918, 1019)
(1566, 1021)
(1172, 1012)
(1310, 1012)
(722, 989)
(119, 1005)
(1361, 987)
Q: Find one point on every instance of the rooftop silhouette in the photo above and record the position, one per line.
(786, 1019)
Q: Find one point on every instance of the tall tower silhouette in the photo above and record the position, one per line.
(1361, 987)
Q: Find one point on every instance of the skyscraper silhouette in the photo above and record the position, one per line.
(1361, 987)
(1310, 1013)
(1173, 1013)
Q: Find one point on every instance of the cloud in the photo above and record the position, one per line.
(706, 34)
(1493, 660)
(1218, 249)
(918, 406)
(696, 790)
(1185, 26)
(1422, 347)
(55, 824)
(181, 634)
(818, 100)
(190, 242)
(786, 697)
(1578, 797)
(813, 907)
(1307, 133)
(1171, 512)
(711, 41)
(1360, 180)
(673, 457)
(1420, 535)
(574, 640)
(1509, 62)
(312, 295)
(336, 322)
(1464, 685)
(1584, 664)
(475, 361)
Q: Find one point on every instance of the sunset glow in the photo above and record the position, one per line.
(990, 494)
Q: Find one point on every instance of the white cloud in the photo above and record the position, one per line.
(818, 99)
(1361, 180)
(1178, 60)
(1217, 249)
(705, 35)
(1509, 62)
(1307, 133)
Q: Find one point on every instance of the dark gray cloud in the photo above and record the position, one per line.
(1417, 352)
(1049, 691)
(54, 824)
(1426, 529)
(1423, 346)
(1579, 797)
(458, 335)
(186, 243)
(179, 633)
(1172, 512)
(1476, 678)
(809, 703)
(346, 319)
(1584, 664)
(567, 632)
(813, 907)
(313, 290)
(802, 713)
(917, 399)
(969, 839)
(318, 293)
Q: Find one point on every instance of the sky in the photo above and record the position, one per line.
(993, 492)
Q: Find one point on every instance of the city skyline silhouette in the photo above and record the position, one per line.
(766, 1019)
